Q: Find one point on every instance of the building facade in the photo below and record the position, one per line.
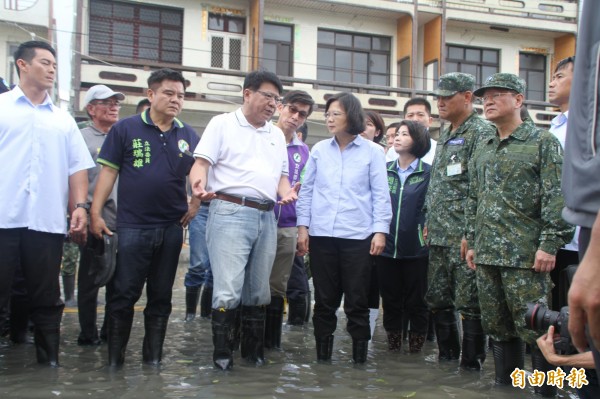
(384, 51)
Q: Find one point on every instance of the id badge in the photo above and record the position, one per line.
(454, 169)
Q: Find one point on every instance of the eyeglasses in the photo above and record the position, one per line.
(294, 110)
(270, 96)
(333, 115)
(108, 103)
(495, 97)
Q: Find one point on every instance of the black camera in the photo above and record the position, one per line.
(539, 318)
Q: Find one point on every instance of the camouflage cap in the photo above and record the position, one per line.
(503, 81)
(454, 82)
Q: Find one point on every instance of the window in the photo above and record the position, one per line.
(135, 31)
(532, 68)
(226, 48)
(278, 49)
(354, 58)
(479, 62)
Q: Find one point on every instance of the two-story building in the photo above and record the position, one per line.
(384, 51)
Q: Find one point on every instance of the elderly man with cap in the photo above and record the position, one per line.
(513, 222)
(102, 106)
(451, 284)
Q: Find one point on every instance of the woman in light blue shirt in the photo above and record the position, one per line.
(344, 213)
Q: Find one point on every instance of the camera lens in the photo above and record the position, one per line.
(539, 317)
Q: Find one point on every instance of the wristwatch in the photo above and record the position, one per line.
(83, 205)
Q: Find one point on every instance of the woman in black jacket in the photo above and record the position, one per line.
(402, 267)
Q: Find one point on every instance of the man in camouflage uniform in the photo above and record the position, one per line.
(451, 284)
(513, 223)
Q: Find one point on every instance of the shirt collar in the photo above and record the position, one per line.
(241, 118)
(560, 119)
(148, 121)
(19, 95)
(411, 167)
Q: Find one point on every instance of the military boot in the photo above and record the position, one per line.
(474, 345)
(508, 355)
(446, 330)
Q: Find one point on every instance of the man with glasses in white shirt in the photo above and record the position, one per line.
(242, 166)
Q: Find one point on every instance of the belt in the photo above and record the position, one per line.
(244, 201)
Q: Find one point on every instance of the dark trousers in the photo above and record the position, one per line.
(87, 293)
(38, 254)
(298, 283)
(373, 295)
(341, 267)
(403, 284)
(144, 256)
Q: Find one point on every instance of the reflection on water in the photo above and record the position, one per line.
(187, 370)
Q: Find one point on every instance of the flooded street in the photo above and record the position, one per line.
(187, 370)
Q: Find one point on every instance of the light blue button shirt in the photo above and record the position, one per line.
(404, 173)
(345, 193)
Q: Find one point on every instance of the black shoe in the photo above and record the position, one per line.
(192, 294)
(118, 331)
(47, 338)
(324, 348)
(223, 321)
(297, 311)
(539, 363)
(359, 351)
(508, 355)
(206, 302)
(446, 330)
(273, 323)
(252, 345)
(154, 338)
(474, 345)
(69, 290)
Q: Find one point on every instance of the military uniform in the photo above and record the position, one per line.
(514, 209)
(451, 282)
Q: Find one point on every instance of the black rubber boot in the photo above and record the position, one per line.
(223, 321)
(47, 338)
(539, 363)
(308, 307)
(273, 323)
(192, 294)
(19, 319)
(253, 334)
(69, 290)
(206, 302)
(430, 328)
(155, 328)
(446, 330)
(324, 348)
(359, 351)
(508, 355)
(118, 331)
(237, 329)
(474, 345)
(297, 311)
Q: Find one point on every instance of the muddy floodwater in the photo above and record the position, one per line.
(187, 370)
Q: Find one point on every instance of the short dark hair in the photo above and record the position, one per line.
(376, 119)
(355, 116)
(420, 135)
(26, 51)
(418, 101)
(299, 96)
(158, 76)
(143, 103)
(304, 130)
(394, 125)
(564, 62)
(255, 79)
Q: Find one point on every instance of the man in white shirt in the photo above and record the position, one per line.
(45, 168)
(558, 94)
(248, 164)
